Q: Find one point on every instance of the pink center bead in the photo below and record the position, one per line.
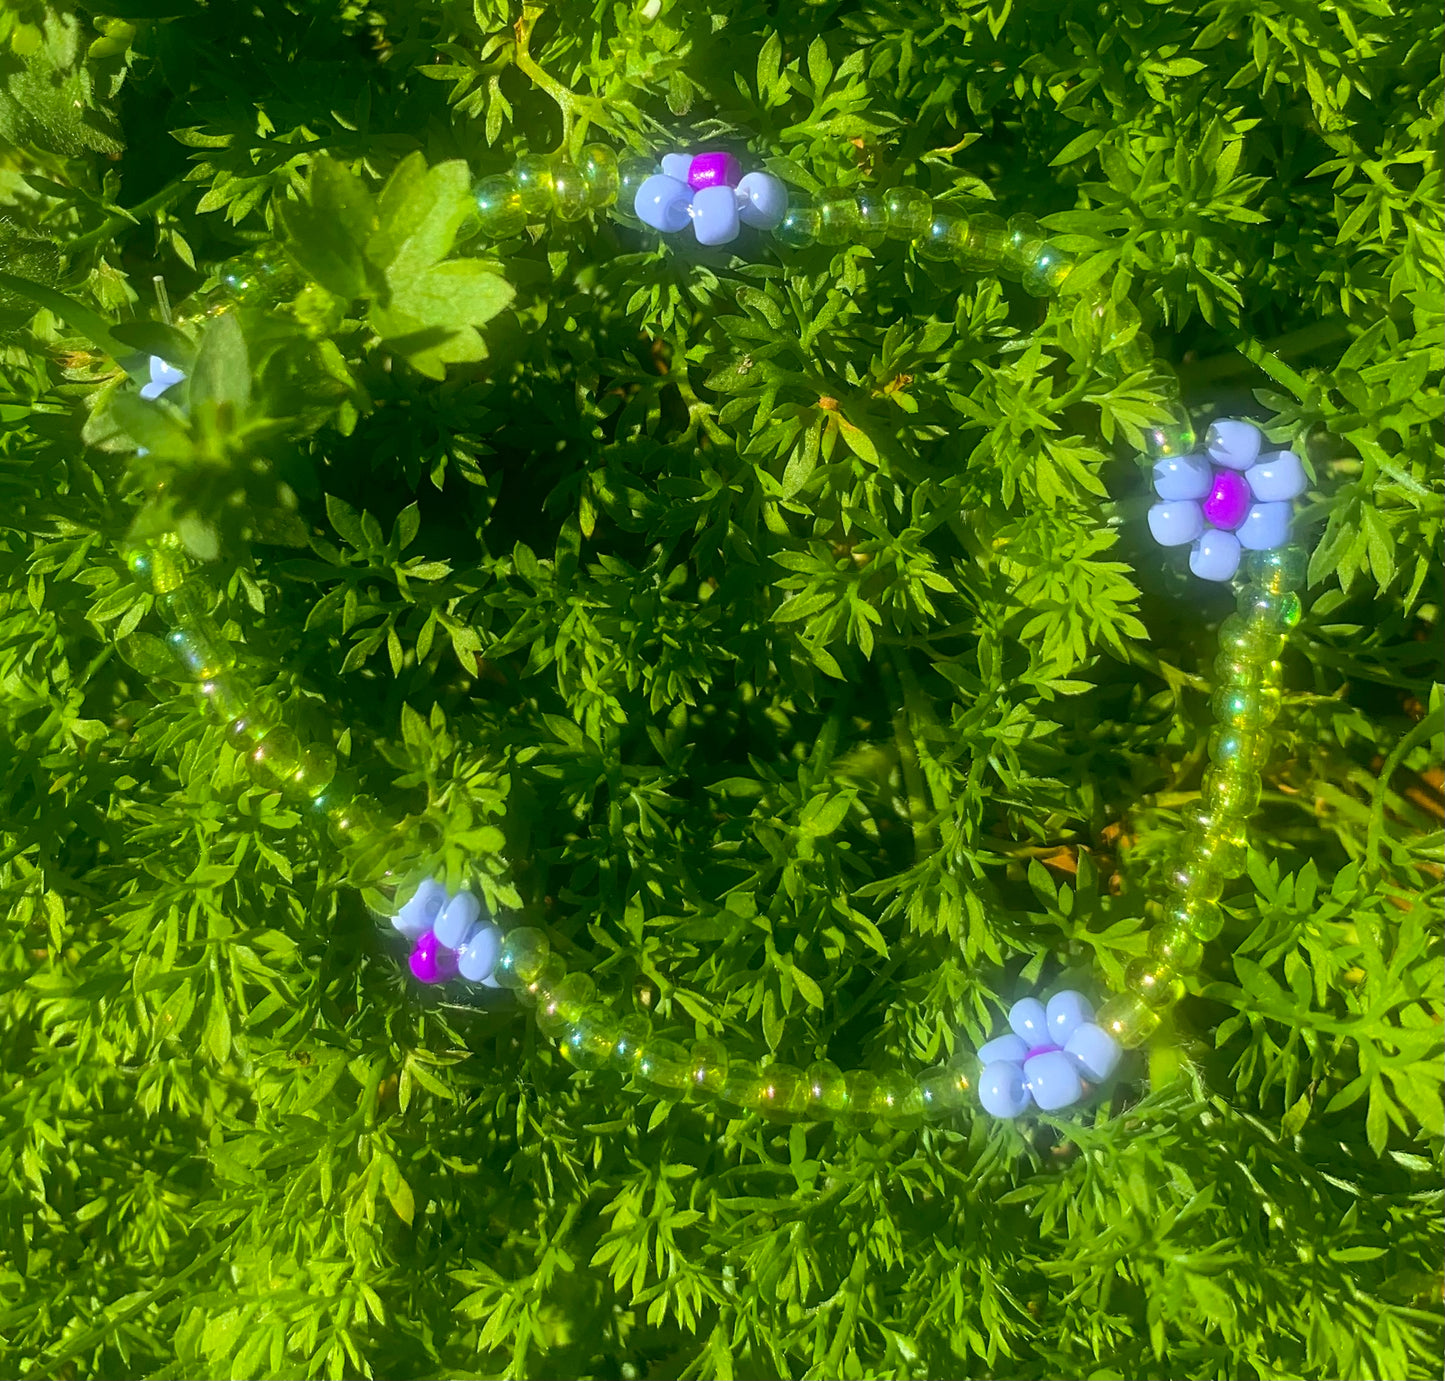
(1228, 501)
(713, 170)
(1041, 1050)
(431, 961)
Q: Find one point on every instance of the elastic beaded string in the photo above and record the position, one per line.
(567, 1008)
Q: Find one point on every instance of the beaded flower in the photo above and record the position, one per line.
(451, 934)
(1046, 1057)
(1227, 501)
(712, 192)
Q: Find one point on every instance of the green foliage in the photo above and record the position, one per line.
(778, 632)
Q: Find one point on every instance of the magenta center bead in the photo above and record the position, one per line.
(1041, 1050)
(1228, 501)
(713, 170)
(431, 961)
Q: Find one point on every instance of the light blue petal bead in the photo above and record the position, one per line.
(458, 919)
(715, 215)
(1266, 525)
(478, 957)
(1215, 556)
(1066, 1012)
(1174, 524)
(1183, 477)
(676, 165)
(1008, 1047)
(1277, 477)
(163, 376)
(1053, 1079)
(1029, 1020)
(762, 200)
(416, 917)
(1095, 1052)
(662, 202)
(1002, 1091)
(1232, 443)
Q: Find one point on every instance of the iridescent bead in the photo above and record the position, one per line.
(551, 975)
(157, 568)
(532, 178)
(1172, 437)
(1228, 747)
(314, 770)
(907, 212)
(272, 761)
(944, 239)
(664, 1064)
(1128, 1018)
(1231, 791)
(1230, 669)
(943, 1090)
(600, 174)
(499, 208)
(799, 227)
(1023, 242)
(897, 1096)
(569, 191)
(1197, 878)
(562, 1004)
(633, 1033)
(708, 1066)
(860, 1089)
(827, 1092)
(1261, 605)
(1177, 946)
(202, 650)
(631, 174)
(1156, 982)
(872, 219)
(224, 696)
(839, 219)
(591, 1038)
(1241, 637)
(1283, 568)
(1242, 707)
(782, 1091)
(1203, 918)
(1048, 272)
(354, 819)
(1219, 848)
(524, 951)
(984, 242)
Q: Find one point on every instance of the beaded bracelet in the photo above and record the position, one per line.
(1226, 500)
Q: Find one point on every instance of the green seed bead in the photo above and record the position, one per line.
(827, 1092)
(354, 819)
(1261, 605)
(840, 221)
(742, 1086)
(632, 172)
(943, 1090)
(1198, 878)
(1173, 436)
(1238, 747)
(1284, 568)
(1128, 1018)
(664, 1064)
(633, 1032)
(569, 191)
(782, 1092)
(532, 178)
(1156, 982)
(983, 243)
(799, 227)
(945, 238)
(157, 568)
(225, 697)
(562, 1004)
(1232, 670)
(550, 976)
(872, 219)
(1241, 638)
(1234, 792)
(598, 166)
(1220, 848)
(1202, 918)
(1177, 946)
(1023, 244)
(201, 650)
(338, 793)
(907, 212)
(499, 207)
(314, 772)
(861, 1088)
(591, 1037)
(275, 758)
(1250, 711)
(708, 1067)
(1048, 272)
(520, 959)
(897, 1096)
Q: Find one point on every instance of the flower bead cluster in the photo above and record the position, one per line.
(1227, 501)
(451, 933)
(711, 191)
(1046, 1057)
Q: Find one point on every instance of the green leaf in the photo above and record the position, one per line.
(420, 211)
(222, 373)
(330, 232)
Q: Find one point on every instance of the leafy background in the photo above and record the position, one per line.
(780, 632)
